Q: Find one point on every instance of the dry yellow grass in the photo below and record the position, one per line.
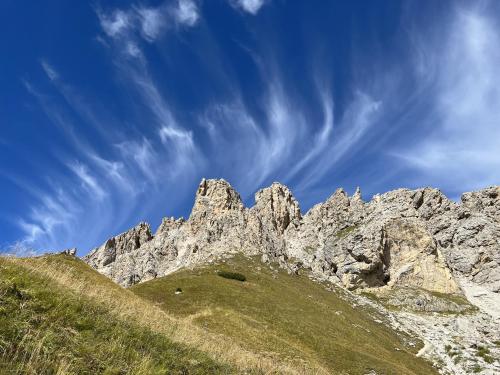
(47, 328)
(75, 275)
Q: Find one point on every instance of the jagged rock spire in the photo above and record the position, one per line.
(216, 196)
(277, 205)
(357, 195)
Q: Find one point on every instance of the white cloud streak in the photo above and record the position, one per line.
(143, 155)
(186, 13)
(321, 139)
(103, 184)
(91, 201)
(258, 150)
(277, 140)
(150, 23)
(250, 6)
(461, 148)
(114, 169)
(180, 153)
(88, 180)
(282, 145)
(50, 222)
(49, 70)
(360, 117)
(116, 23)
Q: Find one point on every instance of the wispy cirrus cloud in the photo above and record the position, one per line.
(435, 116)
(84, 187)
(88, 181)
(186, 13)
(285, 143)
(179, 151)
(259, 146)
(144, 162)
(148, 22)
(462, 139)
(49, 70)
(50, 221)
(115, 23)
(152, 22)
(250, 6)
(143, 156)
(277, 139)
(136, 74)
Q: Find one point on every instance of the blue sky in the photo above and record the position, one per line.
(112, 111)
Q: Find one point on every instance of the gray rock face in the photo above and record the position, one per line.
(411, 238)
(277, 208)
(486, 201)
(114, 250)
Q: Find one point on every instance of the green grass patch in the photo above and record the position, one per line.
(421, 301)
(484, 353)
(288, 317)
(48, 329)
(477, 369)
(345, 231)
(455, 298)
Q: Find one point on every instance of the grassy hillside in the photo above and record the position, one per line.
(59, 316)
(48, 328)
(284, 317)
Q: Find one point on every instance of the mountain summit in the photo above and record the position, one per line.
(415, 238)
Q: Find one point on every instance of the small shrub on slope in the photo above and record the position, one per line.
(232, 275)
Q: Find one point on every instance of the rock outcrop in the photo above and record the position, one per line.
(71, 251)
(411, 238)
(116, 249)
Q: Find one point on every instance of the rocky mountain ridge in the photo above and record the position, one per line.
(414, 238)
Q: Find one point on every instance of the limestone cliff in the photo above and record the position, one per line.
(415, 238)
